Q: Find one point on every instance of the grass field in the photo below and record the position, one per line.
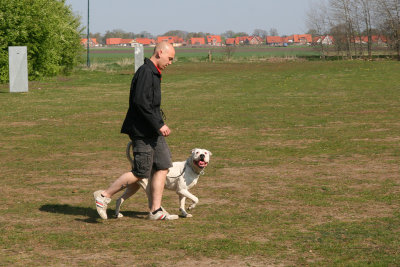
(110, 55)
(304, 172)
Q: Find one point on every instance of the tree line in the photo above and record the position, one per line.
(349, 20)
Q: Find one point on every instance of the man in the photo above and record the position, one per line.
(146, 128)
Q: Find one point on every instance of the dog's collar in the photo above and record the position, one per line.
(190, 163)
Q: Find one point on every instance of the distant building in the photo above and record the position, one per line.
(113, 41)
(275, 41)
(325, 40)
(174, 40)
(214, 40)
(92, 42)
(244, 40)
(231, 41)
(197, 41)
(300, 39)
(146, 41)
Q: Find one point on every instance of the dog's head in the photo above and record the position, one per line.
(200, 157)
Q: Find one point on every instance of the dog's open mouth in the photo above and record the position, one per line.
(201, 163)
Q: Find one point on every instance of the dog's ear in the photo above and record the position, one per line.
(193, 150)
(209, 152)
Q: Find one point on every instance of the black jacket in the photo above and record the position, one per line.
(143, 118)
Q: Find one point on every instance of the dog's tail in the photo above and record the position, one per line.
(128, 152)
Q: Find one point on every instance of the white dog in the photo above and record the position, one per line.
(181, 177)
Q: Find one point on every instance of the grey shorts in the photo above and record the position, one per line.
(150, 154)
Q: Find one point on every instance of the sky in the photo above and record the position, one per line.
(210, 16)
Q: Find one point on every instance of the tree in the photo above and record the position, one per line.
(260, 33)
(341, 12)
(273, 32)
(389, 14)
(49, 30)
(179, 33)
(366, 6)
(228, 34)
(318, 22)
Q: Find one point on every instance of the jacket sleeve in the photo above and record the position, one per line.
(144, 99)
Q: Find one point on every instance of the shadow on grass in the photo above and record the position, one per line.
(91, 213)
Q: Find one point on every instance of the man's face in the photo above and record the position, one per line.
(166, 57)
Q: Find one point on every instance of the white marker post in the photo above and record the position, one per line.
(18, 69)
(139, 56)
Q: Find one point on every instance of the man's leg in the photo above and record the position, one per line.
(122, 182)
(130, 190)
(157, 183)
(102, 198)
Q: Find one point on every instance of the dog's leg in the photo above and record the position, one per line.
(182, 200)
(130, 190)
(190, 196)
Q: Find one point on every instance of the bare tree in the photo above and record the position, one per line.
(260, 33)
(229, 51)
(341, 11)
(389, 12)
(357, 19)
(366, 7)
(273, 32)
(318, 22)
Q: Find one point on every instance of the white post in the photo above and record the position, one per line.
(139, 56)
(18, 68)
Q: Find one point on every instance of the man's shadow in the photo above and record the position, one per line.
(90, 213)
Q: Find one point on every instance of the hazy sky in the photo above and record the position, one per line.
(213, 16)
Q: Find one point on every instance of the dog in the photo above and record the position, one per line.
(181, 177)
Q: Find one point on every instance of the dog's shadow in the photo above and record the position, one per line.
(90, 213)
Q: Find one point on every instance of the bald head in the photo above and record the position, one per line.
(163, 55)
(164, 46)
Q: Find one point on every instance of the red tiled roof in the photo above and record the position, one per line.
(274, 39)
(197, 40)
(169, 39)
(113, 41)
(230, 41)
(214, 39)
(298, 38)
(93, 40)
(126, 41)
(145, 41)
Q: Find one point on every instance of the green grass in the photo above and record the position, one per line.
(109, 56)
(304, 168)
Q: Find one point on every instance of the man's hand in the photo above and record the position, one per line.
(165, 131)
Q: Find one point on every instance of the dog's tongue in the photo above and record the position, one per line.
(202, 164)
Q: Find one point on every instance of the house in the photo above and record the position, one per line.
(376, 39)
(113, 41)
(254, 40)
(146, 41)
(127, 42)
(92, 42)
(275, 41)
(214, 40)
(197, 41)
(326, 40)
(300, 39)
(231, 41)
(250, 40)
(174, 40)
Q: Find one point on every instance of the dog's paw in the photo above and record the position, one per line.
(120, 215)
(191, 206)
(185, 214)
